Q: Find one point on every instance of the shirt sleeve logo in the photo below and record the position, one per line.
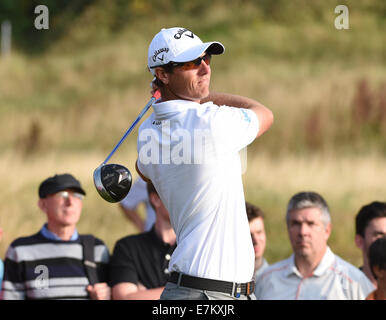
(246, 116)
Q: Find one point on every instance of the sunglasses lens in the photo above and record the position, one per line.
(195, 63)
(189, 65)
(207, 59)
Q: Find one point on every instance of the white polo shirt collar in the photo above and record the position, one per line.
(162, 109)
(326, 262)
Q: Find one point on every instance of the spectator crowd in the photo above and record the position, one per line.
(59, 263)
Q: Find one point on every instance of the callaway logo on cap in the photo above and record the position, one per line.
(178, 45)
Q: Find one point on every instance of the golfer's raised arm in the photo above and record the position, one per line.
(264, 115)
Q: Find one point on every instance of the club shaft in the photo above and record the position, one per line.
(149, 104)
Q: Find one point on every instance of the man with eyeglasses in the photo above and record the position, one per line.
(51, 263)
(189, 149)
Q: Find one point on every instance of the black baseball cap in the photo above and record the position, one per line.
(59, 182)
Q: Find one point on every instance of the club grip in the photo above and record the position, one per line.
(157, 94)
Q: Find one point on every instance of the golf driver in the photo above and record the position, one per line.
(113, 181)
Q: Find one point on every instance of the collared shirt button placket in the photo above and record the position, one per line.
(301, 289)
(298, 291)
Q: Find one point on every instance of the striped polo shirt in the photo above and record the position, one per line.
(39, 267)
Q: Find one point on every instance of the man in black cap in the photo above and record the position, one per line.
(57, 262)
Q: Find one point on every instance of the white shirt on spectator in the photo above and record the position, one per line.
(138, 194)
(333, 279)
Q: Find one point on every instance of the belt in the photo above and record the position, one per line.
(231, 288)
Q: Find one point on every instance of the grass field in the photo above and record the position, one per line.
(345, 182)
(63, 109)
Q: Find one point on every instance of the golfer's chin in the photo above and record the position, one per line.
(201, 89)
(197, 97)
(202, 94)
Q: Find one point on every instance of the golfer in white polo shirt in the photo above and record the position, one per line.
(189, 149)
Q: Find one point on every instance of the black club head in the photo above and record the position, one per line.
(112, 181)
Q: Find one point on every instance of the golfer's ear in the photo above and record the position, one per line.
(162, 75)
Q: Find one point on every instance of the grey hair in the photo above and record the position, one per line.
(303, 200)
